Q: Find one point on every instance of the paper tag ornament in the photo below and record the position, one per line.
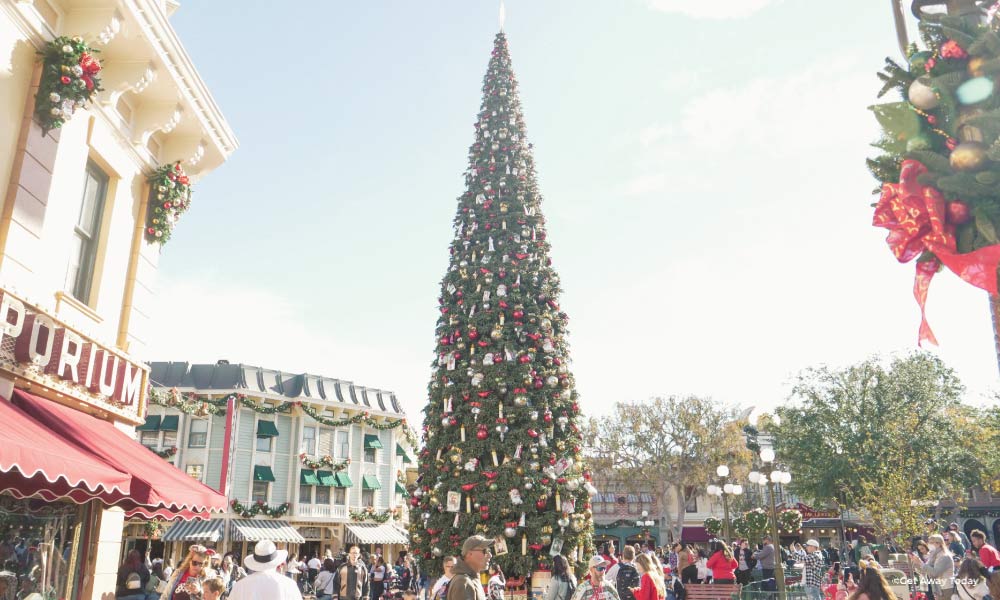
(562, 465)
(569, 506)
(499, 546)
(557, 546)
(454, 500)
(515, 496)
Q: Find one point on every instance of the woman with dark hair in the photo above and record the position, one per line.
(132, 578)
(970, 583)
(563, 580)
(687, 560)
(722, 563)
(497, 583)
(378, 574)
(324, 581)
(872, 585)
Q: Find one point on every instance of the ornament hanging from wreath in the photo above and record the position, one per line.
(69, 81)
(170, 196)
(939, 170)
(713, 526)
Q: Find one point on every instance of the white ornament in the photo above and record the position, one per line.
(922, 95)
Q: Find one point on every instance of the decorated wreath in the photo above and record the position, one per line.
(713, 526)
(370, 514)
(325, 461)
(69, 81)
(756, 521)
(171, 196)
(789, 520)
(167, 452)
(939, 168)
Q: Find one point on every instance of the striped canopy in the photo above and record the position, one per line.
(255, 530)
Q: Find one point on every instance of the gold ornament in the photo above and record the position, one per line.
(976, 66)
(968, 156)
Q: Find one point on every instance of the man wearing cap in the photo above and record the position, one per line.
(350, 582)
(593, 587)
(812, 558)
(265, 583)
(465, 584)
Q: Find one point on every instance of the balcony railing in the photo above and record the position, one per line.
(321, 510)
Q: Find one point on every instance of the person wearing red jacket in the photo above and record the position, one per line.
(988, 555)
(722, 564)
(651, 586)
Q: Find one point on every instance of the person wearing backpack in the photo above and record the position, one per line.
(132, 578)
(627, 576)
(563, 582)
(324, 580)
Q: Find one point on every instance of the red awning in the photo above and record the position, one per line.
(694, 534)
(155, 484)
(36, 463)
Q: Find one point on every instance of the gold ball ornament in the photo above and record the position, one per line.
(968, 156)
(975, 66)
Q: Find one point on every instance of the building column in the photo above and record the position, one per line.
(104, 556)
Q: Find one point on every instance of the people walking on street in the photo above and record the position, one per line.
(722, 563)
(765, 557)
(688, 561)
(185, 581)
(264, 581)
(593, 587)
(440, 588)
(497, 583)
(872, 585)
(651, 585)
(626, 576)
(961, 535)
(938, 567)
(746, 562)
(563, 581)
(351, 582)
(988, 555)
(476, 555)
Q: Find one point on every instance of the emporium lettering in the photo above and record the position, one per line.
(63, 353)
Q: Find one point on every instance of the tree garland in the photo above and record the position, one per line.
(369, 514)
(200, 406)
(170, 190)
(248, 511)
(326, 461)
(153, 529)
(167, 453)
(69, 81)
(939, 170)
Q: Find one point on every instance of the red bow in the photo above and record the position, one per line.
(915, 216)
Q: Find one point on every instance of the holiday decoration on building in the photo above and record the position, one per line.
(370, 514)
(253, 509)
(167, 452)
(713, 526)
(170, 196)
(70, 79)
(502, 443)
(789, 520)
(324, 462)
(939, 167)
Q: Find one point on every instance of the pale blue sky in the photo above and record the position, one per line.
(702, 165)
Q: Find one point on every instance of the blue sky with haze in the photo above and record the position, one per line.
(702, 165)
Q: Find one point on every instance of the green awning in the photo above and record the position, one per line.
(401, 452)
(368, 482)
(372, 441)
(344, 480)
(327, 478)
(307, 477)
(152, 424)
(266, 429)
(169, 423)
(262, 473)
(402, 490)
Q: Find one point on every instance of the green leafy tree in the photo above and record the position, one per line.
(886, 439)
(501, 434)
(669, 447)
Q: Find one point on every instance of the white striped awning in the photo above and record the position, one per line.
(645, 498)
(255, 530)
(372, 533)
(195, 531)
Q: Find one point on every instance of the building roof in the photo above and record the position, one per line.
(249, 379)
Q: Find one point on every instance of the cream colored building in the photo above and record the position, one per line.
(73, 257)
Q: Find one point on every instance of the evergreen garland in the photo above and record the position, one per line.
(713, 526)
(325, 461)
(369, 514)
(167, 452)
(69, 81)
(170, 196)
(248, 511)
(790, 520)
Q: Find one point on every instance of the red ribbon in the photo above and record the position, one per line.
(915, 216)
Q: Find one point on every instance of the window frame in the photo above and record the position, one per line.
(192, 433)
(254, 493)
(339, 496)
(373, 456)
(319, 490)
(154, 434)
(82, 286)
(306, 498)
(343, 447)
(270, 444)
(370, 494)
(310, 449)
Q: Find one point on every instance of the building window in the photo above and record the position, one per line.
(198, 434)
(367, 497)
(259, 491)
(86, 234)
(169, 439)
(305, 494)
(194, 471)
(370, 455)
(263, 444)
(309, 440)
(340, 496)
(322, 495)
(150, 439)
(343, 448)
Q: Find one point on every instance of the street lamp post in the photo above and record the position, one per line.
(776, 476)
(723, 492)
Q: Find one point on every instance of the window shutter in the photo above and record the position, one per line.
(325, 443)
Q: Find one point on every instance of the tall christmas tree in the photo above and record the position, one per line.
(502, 445)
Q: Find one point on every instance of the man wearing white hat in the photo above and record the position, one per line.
(265, 583)
(812, 577)
(593, 587)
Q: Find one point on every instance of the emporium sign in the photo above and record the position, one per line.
(39, 348)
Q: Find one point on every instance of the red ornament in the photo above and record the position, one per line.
(532, 433)
(518, 314)
(473, 334)
(951, 49)
(540, 505)
(482, 434)
(89, 64)
(468, 487)
(524, 359)
(65, 80)
(958, 212)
